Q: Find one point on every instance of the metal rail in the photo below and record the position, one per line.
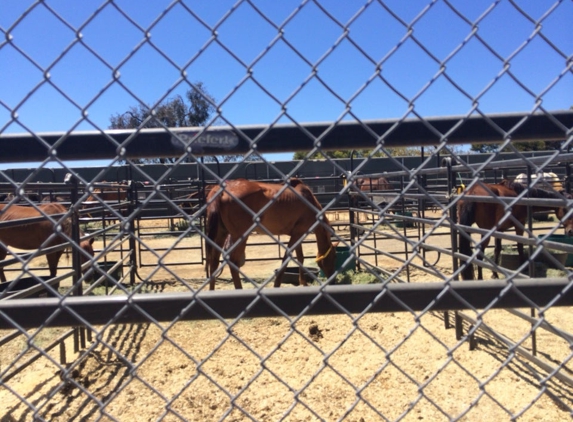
(327, 300)
(155, 143)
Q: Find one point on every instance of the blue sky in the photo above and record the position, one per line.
(319, 67)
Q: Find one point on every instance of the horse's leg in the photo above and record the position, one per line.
(520, 253)
(212, 266)
(482, 248)
(496, 254)
(3, 253)
(237, 258)
(299, 256)
(214, 254)
(53, 259)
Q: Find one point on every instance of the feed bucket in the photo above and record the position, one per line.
(342, 254)
(116, 274)
(561, 238)
(26, 283)
(403, 223)
(560, 257)
(510, 261)
(290, 275)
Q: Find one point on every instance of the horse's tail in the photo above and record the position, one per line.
(467, 214)
(213, 225)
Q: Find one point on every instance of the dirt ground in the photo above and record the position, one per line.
(367, 367)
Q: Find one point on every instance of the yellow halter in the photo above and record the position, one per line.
(321, 257)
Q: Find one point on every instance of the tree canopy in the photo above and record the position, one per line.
(359, 153)
(520, 146)
(193, 110)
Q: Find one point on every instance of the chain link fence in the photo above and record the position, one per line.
(386, 329)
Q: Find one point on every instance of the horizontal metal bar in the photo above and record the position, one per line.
(8, 376)
(534, 202)
(526, 201)
(543, 324)
(391, 297)
(9, 337)
(156, 143)
(515, 163)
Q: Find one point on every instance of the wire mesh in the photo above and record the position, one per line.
(380, 237)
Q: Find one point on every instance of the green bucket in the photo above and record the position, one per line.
(107, 267)
(342, 254)
(561, 238)
(403, 223)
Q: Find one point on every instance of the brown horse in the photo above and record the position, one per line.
(369, 184)
(113, 195)
(37, 234)
(375, 187)
(488, 215)
(230, 219)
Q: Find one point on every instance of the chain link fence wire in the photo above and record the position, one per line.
(394, 333)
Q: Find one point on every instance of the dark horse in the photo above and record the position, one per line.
(488, 215)
(37, 234)
(230, 217)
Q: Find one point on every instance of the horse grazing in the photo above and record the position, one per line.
(37, 234)
(229, 223)
(488, 215)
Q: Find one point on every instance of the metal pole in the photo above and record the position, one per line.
(75, 234)
(132, 198)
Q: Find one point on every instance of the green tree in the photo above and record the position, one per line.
(193, 110)
(359, 153)
(484, 148)
(520, 146)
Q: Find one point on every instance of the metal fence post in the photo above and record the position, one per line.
(132, 204)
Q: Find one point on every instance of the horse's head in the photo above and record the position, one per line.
(567, 223)
(87, 246)
(327, 261)
(560, 214)
(359, 183)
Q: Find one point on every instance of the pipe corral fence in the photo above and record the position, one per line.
(397, 331)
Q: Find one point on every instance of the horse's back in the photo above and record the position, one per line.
(368, 184)
(30, 235)
(18, 212)
(286, 211)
